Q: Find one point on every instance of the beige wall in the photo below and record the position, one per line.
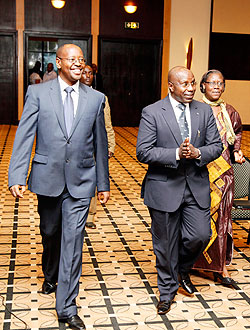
(190, 19)
(240, 101)
(233, 16)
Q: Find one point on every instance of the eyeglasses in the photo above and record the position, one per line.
(215, 83)
(72, 60)
(185, 84)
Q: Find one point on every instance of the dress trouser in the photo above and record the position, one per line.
(62, 222)
(92, 209)
(178, 239)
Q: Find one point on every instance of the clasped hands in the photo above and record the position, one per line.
(187, 150)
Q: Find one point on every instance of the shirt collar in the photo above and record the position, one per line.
(175, 103)
(64, 85)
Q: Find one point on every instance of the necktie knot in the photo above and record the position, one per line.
(69, 89)
(181, 106)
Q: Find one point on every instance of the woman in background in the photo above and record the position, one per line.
(218, 253)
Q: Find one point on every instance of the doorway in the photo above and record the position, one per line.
(8, 101)
(43, 48)
(131, 72)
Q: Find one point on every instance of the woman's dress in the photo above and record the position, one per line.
(220, 247)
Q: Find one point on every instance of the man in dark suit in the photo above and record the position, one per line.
(177, 138)
(71, 160)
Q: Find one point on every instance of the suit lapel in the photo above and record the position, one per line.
(169, 115)
(56, 99)
(82, 102)
(195, 118)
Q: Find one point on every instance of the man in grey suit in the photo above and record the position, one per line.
(71, 160)
(177, 138)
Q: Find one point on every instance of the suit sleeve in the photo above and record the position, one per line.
(147, 150)
(25, 135)
(101, 150)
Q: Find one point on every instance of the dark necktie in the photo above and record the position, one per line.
(68, 109)
(183, 124)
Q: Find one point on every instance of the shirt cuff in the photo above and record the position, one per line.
(177, 154)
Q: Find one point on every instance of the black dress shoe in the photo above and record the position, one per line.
(48, 287)
(75, 322)
(163, 307)
(226, 281)
(91, 225)
(186, 283)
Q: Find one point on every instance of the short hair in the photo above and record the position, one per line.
(205, 77)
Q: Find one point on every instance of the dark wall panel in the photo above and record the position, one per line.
(230, 53)
(8, 106)
(75, 17)
(131, 77)
(8, 14)
(149, 15)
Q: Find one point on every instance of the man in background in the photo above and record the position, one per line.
(87, 79)
(35, 74)
(50, 74)
(97, 78)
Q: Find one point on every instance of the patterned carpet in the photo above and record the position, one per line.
(118, 286)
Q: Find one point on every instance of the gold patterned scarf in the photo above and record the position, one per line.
(228, 124)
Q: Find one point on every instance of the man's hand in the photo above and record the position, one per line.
(17, 191)
(238, 156)
(103, 196)
(188, 151)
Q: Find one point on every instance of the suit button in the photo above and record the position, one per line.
(68, 141)
(67, 160)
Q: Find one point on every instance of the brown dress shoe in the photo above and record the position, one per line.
(163, 307)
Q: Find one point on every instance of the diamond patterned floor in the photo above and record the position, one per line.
(118, 286)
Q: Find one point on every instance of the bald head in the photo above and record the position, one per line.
(65, 49)
(176, 71)
(181, 84)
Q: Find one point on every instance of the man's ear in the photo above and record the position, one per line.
(58, 63)
(170, 86)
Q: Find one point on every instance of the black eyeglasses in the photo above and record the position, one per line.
(72, 60)
(215, 83)
(185, 84)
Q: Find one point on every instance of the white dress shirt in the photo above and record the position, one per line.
(74, 93)
(49, 75)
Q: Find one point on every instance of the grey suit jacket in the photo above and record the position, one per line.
(158, 137)
(79, 161)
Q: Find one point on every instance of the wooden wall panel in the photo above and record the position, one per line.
(149, 15)
(8, 15)
(75, 17)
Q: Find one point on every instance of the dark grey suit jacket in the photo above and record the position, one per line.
(158, 137)
(79, 161)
